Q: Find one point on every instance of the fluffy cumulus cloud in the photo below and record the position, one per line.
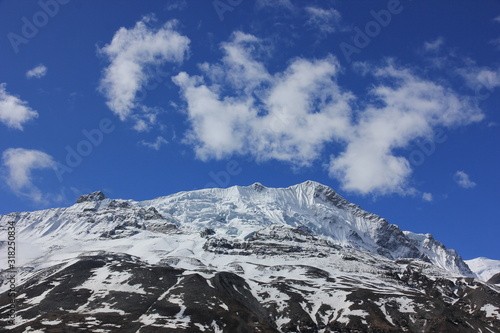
(238, 107)
(135, 55)
(37, 72)
(19, 164)
(243, 108)
(406, 108)
(14, 112)
(463, 180)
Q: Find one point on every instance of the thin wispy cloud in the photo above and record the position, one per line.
(14, 112)
(482, 80)
(155, 145)
(435, 45)
(20, 164)
(495, 42)
(176, 5)
(279, 4)
(134, 55)
(481, 77)
(325, 20)
(239, 107)
(37, 72)
(463, 180)
(427, 196)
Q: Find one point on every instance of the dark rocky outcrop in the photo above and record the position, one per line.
(94, 196)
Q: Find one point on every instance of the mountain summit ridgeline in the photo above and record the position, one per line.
(240, 259)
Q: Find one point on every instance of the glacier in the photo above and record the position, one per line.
(233, 213)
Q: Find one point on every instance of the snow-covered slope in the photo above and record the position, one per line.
(234, 213)
(484, 268)
(291, 259)
(238, 211)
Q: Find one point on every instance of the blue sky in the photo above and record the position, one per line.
(392, 103)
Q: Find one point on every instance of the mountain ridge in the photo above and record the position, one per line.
(349, 225)
(313, 190)
(295, 259)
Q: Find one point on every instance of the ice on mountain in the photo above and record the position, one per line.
(235, 213)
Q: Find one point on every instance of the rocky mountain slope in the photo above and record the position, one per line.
(241, 259)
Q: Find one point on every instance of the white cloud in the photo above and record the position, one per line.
(20, 163)
(176, 5)
(326, 20)
(238, 66)
(287, 4)
(486, 77)
(134, 55)
(407, 108)
(268, 116)
(482, 80)
(435, 45)
(14, 112)
(155, 145)
(37, 72)
(463, 180)
(496, 43)
(427, 196)
(489, 78)
(238, 107)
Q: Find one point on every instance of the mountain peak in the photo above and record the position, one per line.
(258, 187)
(94, 196)
(311, 183)
(317, 189)
(238, 211)
(303, 253)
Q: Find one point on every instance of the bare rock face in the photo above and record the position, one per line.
(121, 293)
(495, 279)
(94, 196)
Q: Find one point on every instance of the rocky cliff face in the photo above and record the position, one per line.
(242, 259)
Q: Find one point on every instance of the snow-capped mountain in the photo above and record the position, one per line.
(484, 268)
(241, 259)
